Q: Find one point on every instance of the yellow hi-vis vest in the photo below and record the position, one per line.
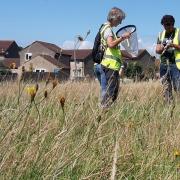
(112, 56)
(175, 41)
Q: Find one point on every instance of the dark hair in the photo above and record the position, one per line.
(167, 19)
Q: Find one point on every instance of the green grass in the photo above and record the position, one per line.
(42, 141)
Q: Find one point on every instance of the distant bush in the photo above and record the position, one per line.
(134, 69)
(5, 72)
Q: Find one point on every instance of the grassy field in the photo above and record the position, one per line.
(59, 132)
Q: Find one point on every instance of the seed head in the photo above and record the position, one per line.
(54, 83)
(62, 101)
(23, 69)
(37, 87)
(45, 93)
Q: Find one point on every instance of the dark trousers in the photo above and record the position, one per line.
(112, 86)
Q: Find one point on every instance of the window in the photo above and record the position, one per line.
(40, 70)
(28, 56)
(57, 55)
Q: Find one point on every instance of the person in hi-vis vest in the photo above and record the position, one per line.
(168, 46)
(112, 59)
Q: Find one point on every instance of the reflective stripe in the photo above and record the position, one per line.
(175, 41)
(177, 60)
(112, 57)
(111, 64)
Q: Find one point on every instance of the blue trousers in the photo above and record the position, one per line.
(170, 78)
(99, 73)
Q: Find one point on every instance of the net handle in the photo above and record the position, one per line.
(125, 27)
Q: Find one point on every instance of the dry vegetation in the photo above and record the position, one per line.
(61, 133)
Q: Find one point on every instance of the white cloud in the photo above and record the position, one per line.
(148, 43)
(81, 45)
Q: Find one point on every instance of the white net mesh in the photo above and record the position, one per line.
(131, 44)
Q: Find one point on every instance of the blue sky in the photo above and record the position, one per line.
(59, 21)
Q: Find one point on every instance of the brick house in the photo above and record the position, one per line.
(9, 54)
(84, 63)
(45, 57)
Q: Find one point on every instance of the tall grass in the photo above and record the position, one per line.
(135, 139)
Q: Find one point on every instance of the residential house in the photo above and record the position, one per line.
(9, 54)
(143, 58)
(45, 63)
(45, 57)
(146, 61)
(81, 63)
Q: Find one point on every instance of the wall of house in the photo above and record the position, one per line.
(80, 69)
(36, 49)
(146, 61)
(64, 59)
(89, 67)
(39, 63)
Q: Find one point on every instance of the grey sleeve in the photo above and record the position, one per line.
(108, 33)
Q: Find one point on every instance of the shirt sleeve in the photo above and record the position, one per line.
(108, 33)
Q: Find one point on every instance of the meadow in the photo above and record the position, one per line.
(57, 131)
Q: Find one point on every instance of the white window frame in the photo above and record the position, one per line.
(40, 70)
(28, 56)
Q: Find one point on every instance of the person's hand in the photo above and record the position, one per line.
(159, 48)
(126, 35)
(170, 45)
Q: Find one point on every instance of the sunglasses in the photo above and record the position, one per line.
(167, 24)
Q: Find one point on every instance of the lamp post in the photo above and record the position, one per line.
(77, 40)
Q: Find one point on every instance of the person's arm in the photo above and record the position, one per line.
(114, 42)
(175, 46)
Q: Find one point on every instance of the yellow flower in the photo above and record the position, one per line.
(177, 153)
(32, 92)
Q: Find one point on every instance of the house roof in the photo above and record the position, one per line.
(49, 46)
(79, 54)
(54, 61)
(84, 53)
(5, 45)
